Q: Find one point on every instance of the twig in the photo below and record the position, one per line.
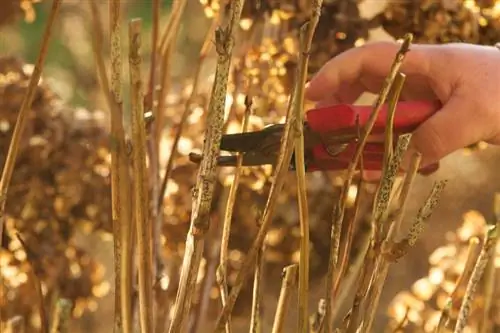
(37, 284)
(316, 320)
(143, 223)
(477, 273)
(352, 275)
(335, 242)
(339, 209)
(153, 145)
(384, 262)
(97, 49)
(60, 323)
(207, 45)
(391, 166)
(172, 24)
(226, 228)
(255, 317)
(120, 177)
(349, 235)
(155, 11)
(284, 157)
(472, 254)
(287, 286)
(199, 316)
(373, 260)
(207, 174)
(167, 47)
(490, 274)
(10, 159)
(400, 248)
(306, 35)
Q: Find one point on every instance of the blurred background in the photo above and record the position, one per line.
(62, 210)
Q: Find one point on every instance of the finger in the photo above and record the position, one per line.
(347, 94)
(451, 128)
(373, 59)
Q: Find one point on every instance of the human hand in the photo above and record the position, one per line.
(464, 77)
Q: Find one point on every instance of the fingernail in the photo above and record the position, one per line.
(429, 170)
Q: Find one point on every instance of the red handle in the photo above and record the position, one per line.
(409, 115)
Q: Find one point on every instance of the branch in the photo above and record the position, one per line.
(207, 45)
(489, 280)
(287, 286)
(207, 173)
(477, 273)
(472, 254)
(228, 215)
(340, 206)
(306, 35)
(255, 317)
(281, 170)
(62, 315)
(120, 174)
(143, 223)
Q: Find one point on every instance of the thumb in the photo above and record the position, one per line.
(453, 127)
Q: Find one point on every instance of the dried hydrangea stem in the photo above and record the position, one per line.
(477, 273)
(207, 45)
(489, 280)
(425, 212)
(472, 254)
(120, 180)
(305, 36)
(228, 215)
(167, 37)
(349, 236)
(282, 167)
(391, 166)
(339, 209)
(316, 320)
(10, 159)
(155, 13)
(287, 286)
(143, 223)
(352, 275)
(167, 47)
(202, 200)
(256, 314)
(62, 315)
(383, 263)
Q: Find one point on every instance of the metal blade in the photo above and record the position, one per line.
(252, 141)
(249, 159)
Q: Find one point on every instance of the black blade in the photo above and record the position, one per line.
(252, 141)
(249, 159)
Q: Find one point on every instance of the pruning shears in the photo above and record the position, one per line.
(330, 136)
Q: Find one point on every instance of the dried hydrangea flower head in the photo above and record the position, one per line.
(420, 308)
(59, 190)
(443, 21)
(12, 10)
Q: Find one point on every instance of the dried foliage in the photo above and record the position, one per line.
(12, 10)
(443, 21)
(59, 190)
(430, 295)
(61, 184)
